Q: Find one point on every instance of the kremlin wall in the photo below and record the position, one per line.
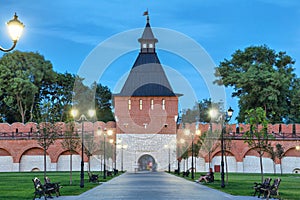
(20, 151)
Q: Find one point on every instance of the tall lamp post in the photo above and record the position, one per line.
(111, 141)
(81, 120)
(225, 118)
(122, 146)
(105, 134)
(15, 29)
(187, 132)
(167, 146)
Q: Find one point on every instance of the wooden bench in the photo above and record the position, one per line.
(52, 187)
(186, 173)
(45, 190)
(93, 177)
(116, 172)
(39, 188)
(272, 190)
(258, 187)
(109, 173)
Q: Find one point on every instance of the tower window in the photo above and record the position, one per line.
(144, 45)
(152, 104)
(163, 104)
(150, 45)
(141, 104)
(129, 104)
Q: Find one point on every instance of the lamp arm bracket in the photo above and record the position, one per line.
(11, 48)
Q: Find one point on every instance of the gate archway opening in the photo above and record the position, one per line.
(147, 163)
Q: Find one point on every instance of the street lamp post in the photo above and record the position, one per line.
(111, 141)
(169, 156)
(121, 146)
(106, 133)
(81, 120)
(104, 162)
(15, 29)
(226, 118)
(187, 132)
(193, 175)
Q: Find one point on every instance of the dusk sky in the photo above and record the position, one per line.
(66, 31)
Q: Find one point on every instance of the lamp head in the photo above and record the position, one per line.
(92, 112)
(198, 132)
(15, 28)
(109, 132)
(230, 112)
(74, 112)
(213, 113)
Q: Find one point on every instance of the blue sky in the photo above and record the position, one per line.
(66, 31)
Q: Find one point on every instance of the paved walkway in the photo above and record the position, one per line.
(152, 185)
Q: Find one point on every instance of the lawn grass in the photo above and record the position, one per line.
(19, 185)
(241, 184)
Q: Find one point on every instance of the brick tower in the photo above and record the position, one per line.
(146, 111)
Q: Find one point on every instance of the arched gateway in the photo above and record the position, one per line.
(147, 163)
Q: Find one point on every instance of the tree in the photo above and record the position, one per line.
(22, 75)
(257, 137)
(103, 98)
(260, 77)
(227, 147)
(71, 142)
(209, 143)
(90, 146)
(272, 153)
(294, 105)
(47, 132)
(59, 93)
(279, 154)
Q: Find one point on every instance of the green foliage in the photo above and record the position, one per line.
(260, 77)
(22, 76)
(103, 102)
(257, 137)
(28, 83)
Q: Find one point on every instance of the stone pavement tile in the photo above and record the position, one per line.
(153, 185)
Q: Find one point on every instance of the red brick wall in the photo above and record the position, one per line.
(146, 120)
(18, 147)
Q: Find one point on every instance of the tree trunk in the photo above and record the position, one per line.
(261, 166)
(280, 167)
(195, 164)
(209, 161)
(45, 164)
(89, 163)
(71, 166)
(226, 168)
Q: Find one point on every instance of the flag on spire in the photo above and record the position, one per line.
(146, 13)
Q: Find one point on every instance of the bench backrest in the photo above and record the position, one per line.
(47, 179)
(276, 183)
(266, 182)
(37, 183)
